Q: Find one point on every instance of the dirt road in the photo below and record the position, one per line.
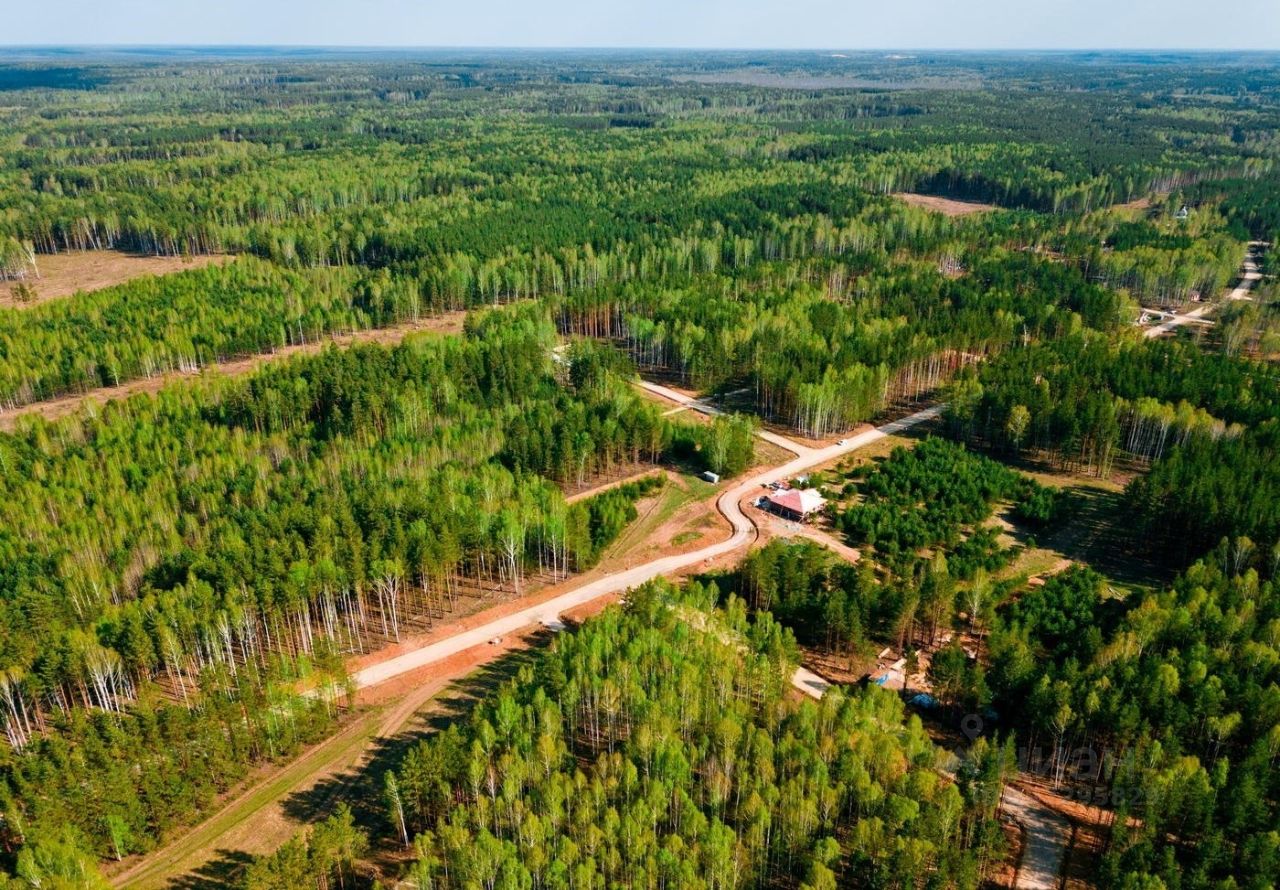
(1250, 273)
(729, 505)
(241, 815)
(243, 823)
(267, 812)
(775, 526)
(1047, 834)
(684, 402)
(1249, 277)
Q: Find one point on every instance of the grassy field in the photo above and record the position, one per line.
(678, 515)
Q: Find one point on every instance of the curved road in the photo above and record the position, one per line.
(1046, 831)
(728, 504)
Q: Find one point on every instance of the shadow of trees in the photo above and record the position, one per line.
(220, 872)
(361, 787)
(1096, 531)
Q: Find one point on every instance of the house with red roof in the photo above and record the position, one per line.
(796, 504)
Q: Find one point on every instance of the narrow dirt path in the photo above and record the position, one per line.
(51, 409)
(642, 473)
(198, 845)
(684, 401)
(256, 820)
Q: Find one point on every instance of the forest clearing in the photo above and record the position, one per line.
(945, 206)
(80, 271)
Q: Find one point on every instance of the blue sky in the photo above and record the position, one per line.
(853, 24)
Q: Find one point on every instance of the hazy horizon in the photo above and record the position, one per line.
(920, 25)
(621, 48)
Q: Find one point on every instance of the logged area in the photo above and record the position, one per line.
(464, 469)
(75, 271)
(945, 206)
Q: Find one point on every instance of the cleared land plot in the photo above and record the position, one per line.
(678, 518)
(1093, 532)
(65, 274)
(945, 206)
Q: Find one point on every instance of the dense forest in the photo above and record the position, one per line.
(187, 576)
(1086, 399)
(1178, 691)
(1161, 705)
(174, 566)
(656, 746)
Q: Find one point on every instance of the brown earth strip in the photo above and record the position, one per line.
(64, 274)
(52, 409)
(278, 802)
(945, 206)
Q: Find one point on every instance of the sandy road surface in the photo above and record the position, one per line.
(1047, 835)
(1047, 832)
(241, 819)
(256, 819)
(1249, 277)
(729, 506)
(687, 401)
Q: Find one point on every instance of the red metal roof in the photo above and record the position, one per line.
(798, 500)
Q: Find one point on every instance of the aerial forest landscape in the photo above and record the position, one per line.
(556, 468)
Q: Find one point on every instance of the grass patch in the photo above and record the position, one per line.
(1093, 531)
(674, 496)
